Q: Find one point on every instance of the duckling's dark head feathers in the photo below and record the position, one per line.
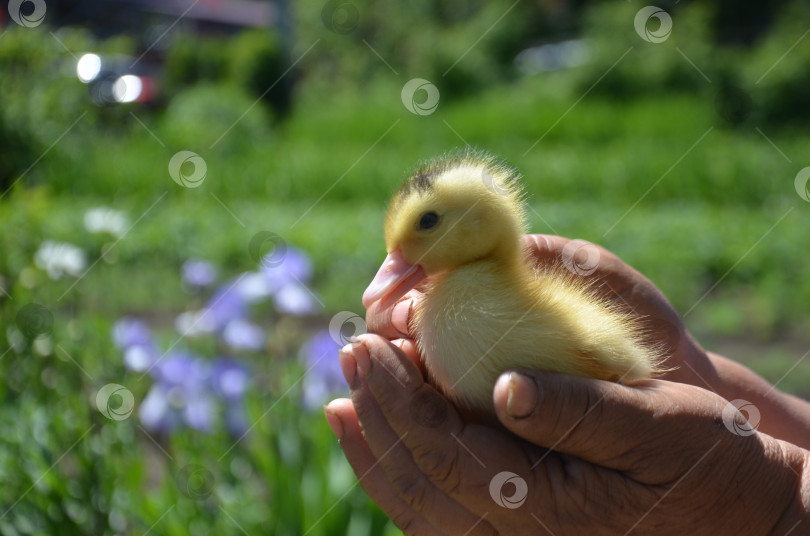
(462, 198)
(494, 173)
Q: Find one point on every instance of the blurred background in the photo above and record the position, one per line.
(191, 202)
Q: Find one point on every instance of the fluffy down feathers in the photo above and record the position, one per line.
(459, 221)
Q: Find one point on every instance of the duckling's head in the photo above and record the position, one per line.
(452, 211)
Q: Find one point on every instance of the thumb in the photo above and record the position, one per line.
(595, 420)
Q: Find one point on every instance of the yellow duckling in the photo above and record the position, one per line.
(458, 221)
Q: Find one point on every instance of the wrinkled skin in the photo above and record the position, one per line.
(597, 457)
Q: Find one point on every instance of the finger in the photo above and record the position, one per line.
(397, 460)
(544, 249)
(620, 279)
(370, 474)
(619, 282)
(614, 277)
(549, 249)
(408, 347)
(393, 322)
(597, 421)
(459, 459)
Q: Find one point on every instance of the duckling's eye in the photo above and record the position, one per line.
(428, 221)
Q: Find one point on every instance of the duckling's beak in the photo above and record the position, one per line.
(393, 280)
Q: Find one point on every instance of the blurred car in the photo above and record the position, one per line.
(120, 79)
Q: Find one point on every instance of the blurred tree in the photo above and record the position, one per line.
(257, 63)
(778, 71)
(462, 45)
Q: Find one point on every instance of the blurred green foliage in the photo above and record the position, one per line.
(422, 39)
(635, 150)
(778, 72)
(252, 61)
(648, 67)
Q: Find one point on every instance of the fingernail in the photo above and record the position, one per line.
(334, 422)
(347, 364)
(399, 316)
(521, 399)
(360, 353)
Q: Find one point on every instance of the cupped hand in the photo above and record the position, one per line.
(590, 457)
(686, 361)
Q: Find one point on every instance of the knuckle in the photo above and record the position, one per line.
(392, 404)
(374, 321)
(588, 415)
(378, 320)
(413, 488)
(441, 465)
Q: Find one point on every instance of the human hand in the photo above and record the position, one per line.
(595, 457)
(686, 361)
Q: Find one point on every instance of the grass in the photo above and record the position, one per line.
(659, 180)
(708, 212)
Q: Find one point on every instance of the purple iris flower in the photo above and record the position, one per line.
(190, 391)
(181, 369)
(225, 305)
(131, 332)
(242, 335)
(140, 358)
(324, 379)
(229, 379)
(198, 410)
(181, 393)
(286, 278)
(133, 337)
(253, 287)
(294, 298)
(294, 267)
(155, 412)
(164, 409)
(198, 273)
